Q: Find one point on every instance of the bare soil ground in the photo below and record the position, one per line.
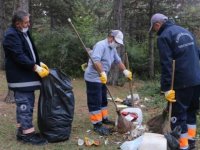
(81, 126)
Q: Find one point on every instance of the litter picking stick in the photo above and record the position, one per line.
(130, 82)
(172, 87)
(85, 48)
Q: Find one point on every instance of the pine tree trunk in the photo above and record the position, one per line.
(151, 56)
(23, 5)
(2, 29)
(151, 44)
(10, 97)
(115, 75)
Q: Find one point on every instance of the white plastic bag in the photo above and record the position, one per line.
(132, 145)
(153, 141)
(148, 141)
(138, 111)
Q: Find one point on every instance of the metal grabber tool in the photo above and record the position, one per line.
(85, 48)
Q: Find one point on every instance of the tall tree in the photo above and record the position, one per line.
(58, 11)
(118, 23)
(22, 5)
(151, 43)
(2, 28)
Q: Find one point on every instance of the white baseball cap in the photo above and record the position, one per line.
(157, 18)
(118, 36)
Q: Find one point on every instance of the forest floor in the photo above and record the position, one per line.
(81, 126)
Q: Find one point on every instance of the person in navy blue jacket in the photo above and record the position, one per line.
(176, 43)
(23, 72)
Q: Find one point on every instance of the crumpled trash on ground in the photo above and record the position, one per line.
(80, 142)
(119, 100)
(129, 101)
(121, 106)
(135, 97)
(90, 142)
(106, 142)
(138, 131)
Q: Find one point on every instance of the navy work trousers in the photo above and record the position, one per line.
(96, 96)
(185, 108)
(24, 111)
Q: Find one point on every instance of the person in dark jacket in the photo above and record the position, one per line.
(23, 72)
(176, 43)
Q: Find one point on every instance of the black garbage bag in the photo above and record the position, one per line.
(127, 102)
(173, 138)
(56, 107)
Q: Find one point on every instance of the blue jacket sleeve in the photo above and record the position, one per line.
(14, 47)
(166, 58)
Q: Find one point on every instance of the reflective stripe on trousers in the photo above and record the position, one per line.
(192, 129)
(104, 112)
(183, 141)
(95, 117)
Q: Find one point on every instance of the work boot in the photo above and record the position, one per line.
(31, 138)
(99, 128)
(108, 122)
(192, 145)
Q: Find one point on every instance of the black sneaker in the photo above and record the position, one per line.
(32, 138)
(99, 128)
(108, 122)
(192, 145)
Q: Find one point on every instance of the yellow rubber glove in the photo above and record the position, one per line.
(170, 96)
(42, 72)
(103, 77)
(128, 74)
(44, 66)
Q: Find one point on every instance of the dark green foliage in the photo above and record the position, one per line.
(57, 10)
(138, 58)
(87, 23)
(61, 49)
(93, 19)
